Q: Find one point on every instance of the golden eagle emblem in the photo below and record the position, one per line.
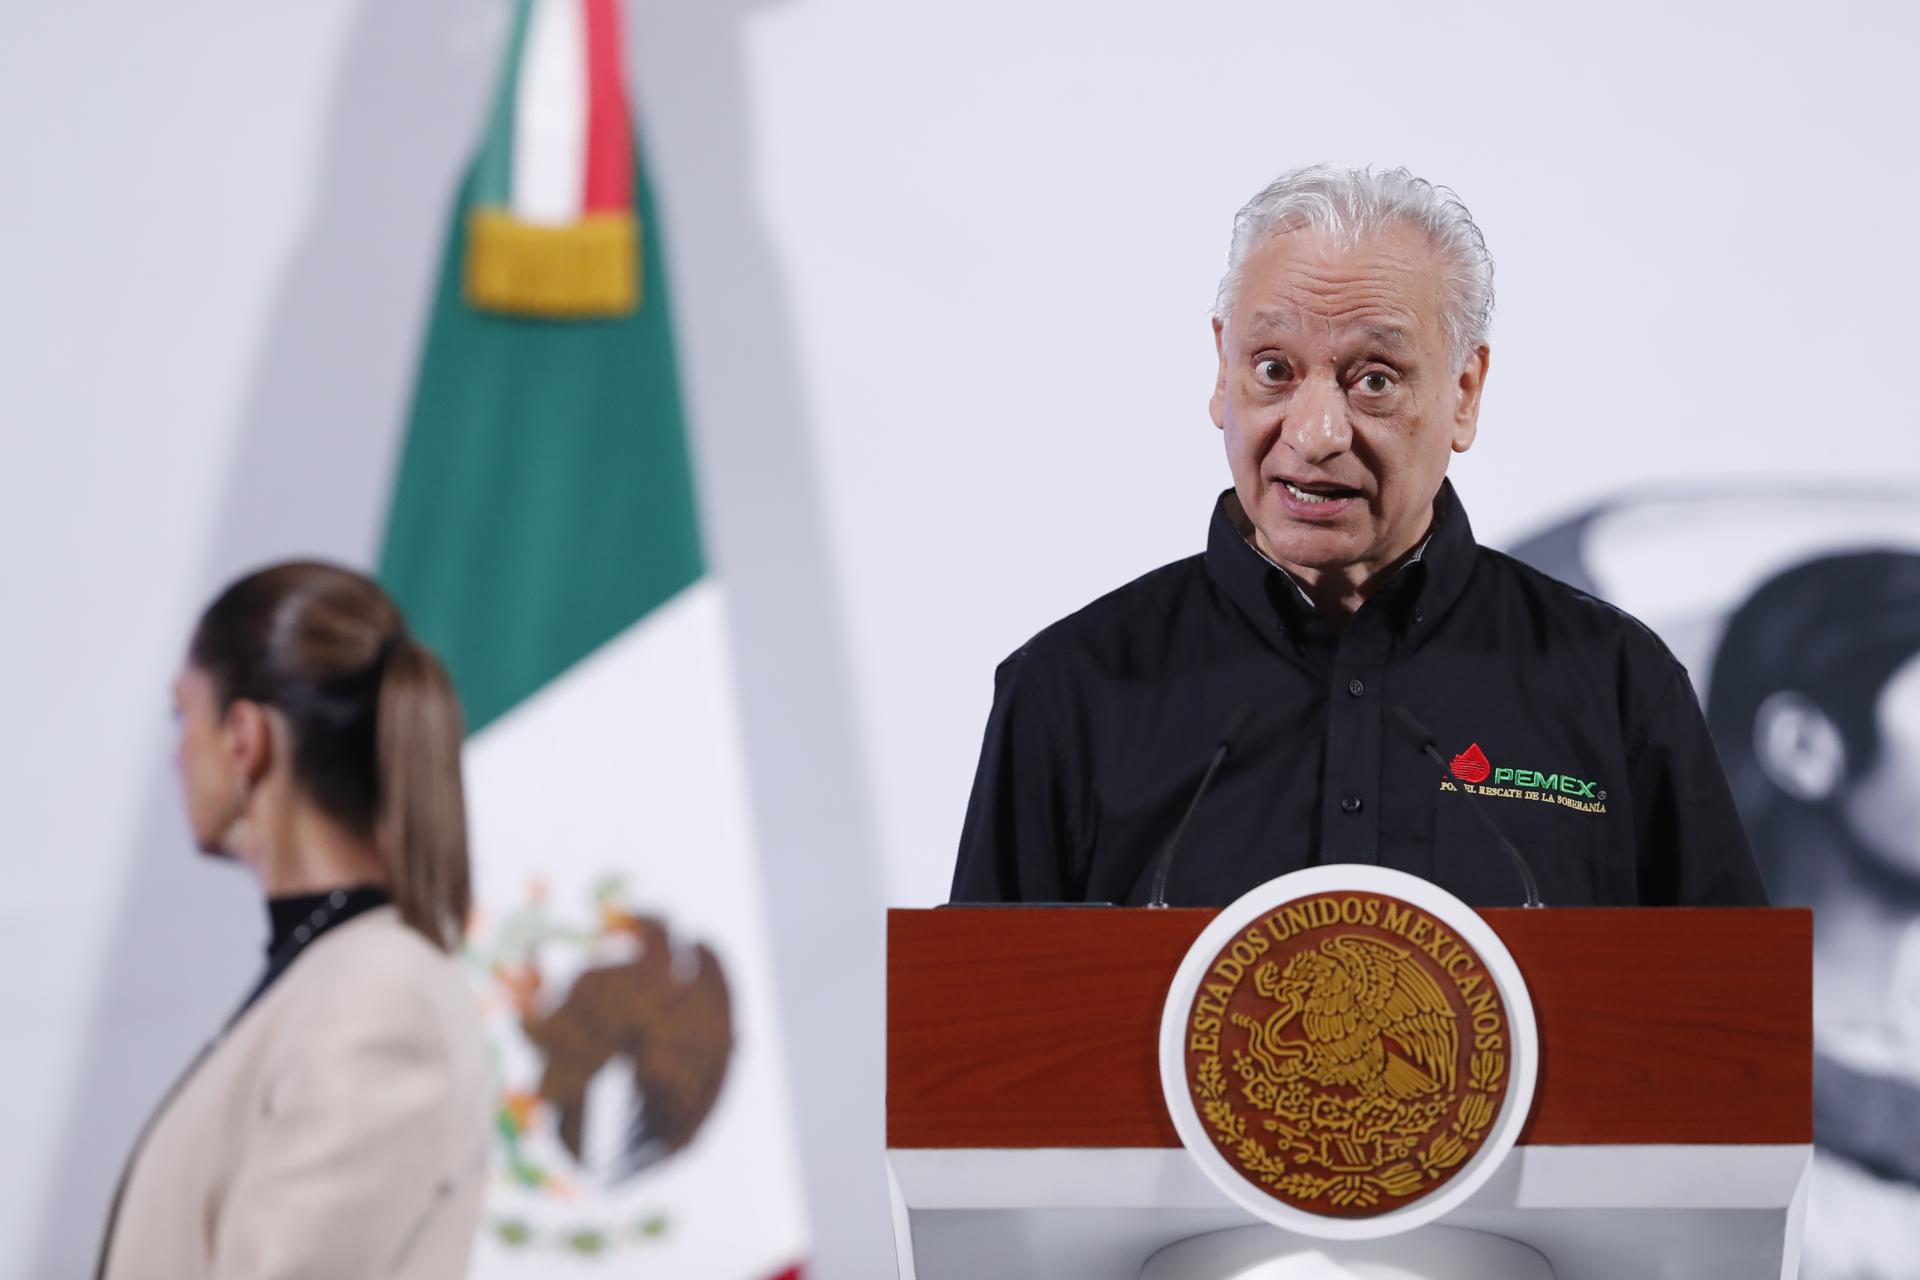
(1374, 1032)
(1347, 1053)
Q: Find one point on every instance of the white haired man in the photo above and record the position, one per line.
(1342, 620)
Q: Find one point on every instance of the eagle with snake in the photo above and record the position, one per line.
(1358, 1015)
(663, 1018)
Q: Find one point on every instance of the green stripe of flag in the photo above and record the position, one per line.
(545, 499)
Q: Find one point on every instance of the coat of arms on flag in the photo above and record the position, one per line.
(612, 1038)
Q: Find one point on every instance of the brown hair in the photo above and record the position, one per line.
(375, 724)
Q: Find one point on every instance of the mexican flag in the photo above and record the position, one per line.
(545, 539)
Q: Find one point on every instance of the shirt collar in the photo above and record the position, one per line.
(1419, 592)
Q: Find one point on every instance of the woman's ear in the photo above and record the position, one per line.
(248, 730)
(1799, 747)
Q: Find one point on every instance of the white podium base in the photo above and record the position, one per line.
(1427, 1253)
(1595, 1212)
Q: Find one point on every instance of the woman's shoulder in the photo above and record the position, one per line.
(376, 936)
(377, 947)
(376, 971)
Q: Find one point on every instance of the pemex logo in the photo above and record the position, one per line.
(1472, 765)
(1471, 768)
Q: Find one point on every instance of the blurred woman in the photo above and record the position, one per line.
(338, 1125)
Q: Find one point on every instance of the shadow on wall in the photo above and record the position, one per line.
(330, 393)
(766, 532)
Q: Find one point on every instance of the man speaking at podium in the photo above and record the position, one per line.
(1344, 675)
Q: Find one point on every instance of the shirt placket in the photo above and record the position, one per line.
(1350, 796)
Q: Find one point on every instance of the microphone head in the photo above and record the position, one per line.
(1404, 721)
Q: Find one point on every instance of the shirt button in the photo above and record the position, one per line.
(1356, 688)
(1418, 616)
(1350, 804)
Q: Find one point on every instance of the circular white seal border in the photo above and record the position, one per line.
(1315, 882)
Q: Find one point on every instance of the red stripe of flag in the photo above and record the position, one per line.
(609, 129)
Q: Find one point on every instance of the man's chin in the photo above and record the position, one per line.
(1317, 548)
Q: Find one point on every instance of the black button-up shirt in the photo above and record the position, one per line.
(1575, 725)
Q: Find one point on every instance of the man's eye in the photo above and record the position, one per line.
(1272, 370)
(1376, 383)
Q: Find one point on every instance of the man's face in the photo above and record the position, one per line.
(1339, 398)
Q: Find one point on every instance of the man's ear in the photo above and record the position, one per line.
(250, 742)
(1799, 747)
(1218, 405)
(1466, 413)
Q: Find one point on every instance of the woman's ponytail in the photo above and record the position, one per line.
(421, 827)
(375, 722)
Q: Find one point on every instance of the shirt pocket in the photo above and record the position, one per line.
(1565, 847)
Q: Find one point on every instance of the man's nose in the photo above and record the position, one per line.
(1316, 423)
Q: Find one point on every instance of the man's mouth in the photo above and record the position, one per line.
(1313, 494)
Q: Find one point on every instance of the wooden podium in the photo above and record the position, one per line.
(1027, 1136)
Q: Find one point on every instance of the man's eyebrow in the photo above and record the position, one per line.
(1392, 336)
(1270, 320)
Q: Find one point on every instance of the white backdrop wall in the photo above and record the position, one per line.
(943, 276)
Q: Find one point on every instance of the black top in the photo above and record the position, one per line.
(1580, 727)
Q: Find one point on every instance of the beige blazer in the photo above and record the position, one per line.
(338, 1129)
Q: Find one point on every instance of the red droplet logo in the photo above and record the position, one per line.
(1471, 765)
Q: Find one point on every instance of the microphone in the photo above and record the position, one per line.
(1235, 727)
(1404, 721)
